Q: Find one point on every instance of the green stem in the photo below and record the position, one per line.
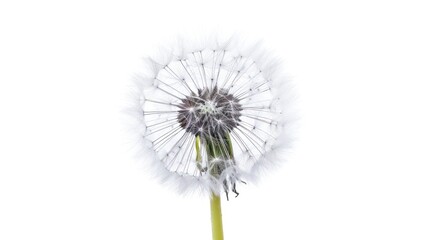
(215, 148)
(215, 207)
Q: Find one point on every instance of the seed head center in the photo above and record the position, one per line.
(208, 107)
(210, 112)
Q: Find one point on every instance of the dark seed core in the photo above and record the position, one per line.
(211, 112)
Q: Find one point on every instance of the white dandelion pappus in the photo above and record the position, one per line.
(212, 116)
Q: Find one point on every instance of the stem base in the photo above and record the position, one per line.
(216, 212)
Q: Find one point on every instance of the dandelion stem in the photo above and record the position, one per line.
(216, 211)
(215, 148)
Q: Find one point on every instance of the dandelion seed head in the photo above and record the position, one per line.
(224, 97)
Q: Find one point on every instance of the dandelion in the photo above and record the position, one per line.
(211, 117)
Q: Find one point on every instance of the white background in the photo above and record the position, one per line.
(358, 171)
